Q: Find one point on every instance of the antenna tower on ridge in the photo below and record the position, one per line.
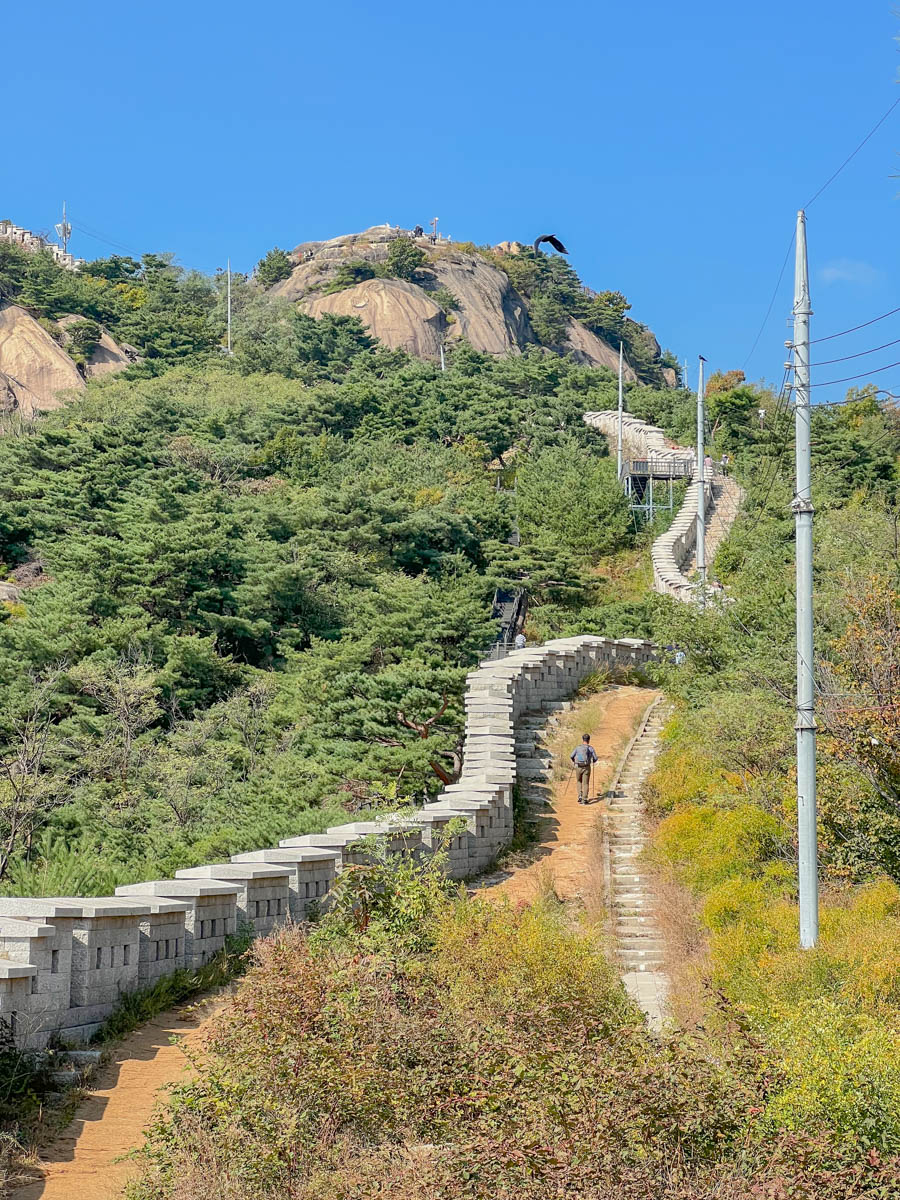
(64, 231)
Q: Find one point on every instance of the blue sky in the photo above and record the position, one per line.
(668, 144)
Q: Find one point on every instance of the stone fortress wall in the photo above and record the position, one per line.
(33, 242)
(66, 961)
(673, 551)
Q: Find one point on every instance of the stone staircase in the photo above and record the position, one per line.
(638, 941)
(727, 495)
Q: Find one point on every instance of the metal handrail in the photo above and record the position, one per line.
(661, 468)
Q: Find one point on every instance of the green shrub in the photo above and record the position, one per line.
(274, 266)
(404, 257)
(707, 845)
(445, 299)
(840, 1069)
(351, 273)
(24, 1078)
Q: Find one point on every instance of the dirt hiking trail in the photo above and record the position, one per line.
(80, 1164)
(566, 855)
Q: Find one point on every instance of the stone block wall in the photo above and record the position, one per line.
(673, 550)
(65, 962)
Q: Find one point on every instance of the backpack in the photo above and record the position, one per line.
(583, 755)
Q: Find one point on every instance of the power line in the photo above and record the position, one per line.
(814, 197)
(100, 237)
(765, 320)
(854, 328)
(851, 378)
(847, 400)
(853, 155)
(827, 362)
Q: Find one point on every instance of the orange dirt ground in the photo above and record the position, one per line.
(81, 1163)
(565, 854)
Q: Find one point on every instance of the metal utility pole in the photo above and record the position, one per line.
(802, 507)
(684, 375)
(701, 483)
(64, 231)
(443, 364)
(228, 302)
(619, 426)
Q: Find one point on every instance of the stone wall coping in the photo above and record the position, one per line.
(14, 970)
(71, 907)
(146, 904)
(176, 888)
(324, 841)
(289, 854)
(22, 928)
(238, 871)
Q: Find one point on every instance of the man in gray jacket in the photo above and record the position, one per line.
(584, 757)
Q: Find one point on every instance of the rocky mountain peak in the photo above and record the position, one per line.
(455, 291)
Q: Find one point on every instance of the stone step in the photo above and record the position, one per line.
(68, 1079)
(641, 944)
(83, 1058)
(634, 925)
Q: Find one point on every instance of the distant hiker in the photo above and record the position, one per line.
(584, 757)
(707, 467)
(418, 231)
(679, 657)
(520, 641)
(726, 462)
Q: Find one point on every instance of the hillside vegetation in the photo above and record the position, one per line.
(502, 1057)
(422, 1045)
(242, 570)
(246, 581)
(725, 785)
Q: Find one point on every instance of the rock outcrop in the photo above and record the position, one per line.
(318, 262)
(492, 316)
(39, 371)
(36, 373)
(591, 350)
(487, 311)
(107, 357)
(399, 314)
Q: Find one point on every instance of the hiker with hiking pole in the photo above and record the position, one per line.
(583, 758)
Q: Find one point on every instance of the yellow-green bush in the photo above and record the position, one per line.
(681, 776)
(831, 1016)
(707, 845)
(504, 1060)
(842, 1069)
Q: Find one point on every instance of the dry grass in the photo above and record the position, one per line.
(686, 953)
(594, 895)
(626, 576)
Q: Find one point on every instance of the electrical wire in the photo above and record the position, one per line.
(100, 237)
(831, 178)
(813, 198)
(854, 328)
(827, 362)
(765, 320)
(851, 378)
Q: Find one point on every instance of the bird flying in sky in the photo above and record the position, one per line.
(554, 242)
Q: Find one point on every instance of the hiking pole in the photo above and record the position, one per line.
(568, 782)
